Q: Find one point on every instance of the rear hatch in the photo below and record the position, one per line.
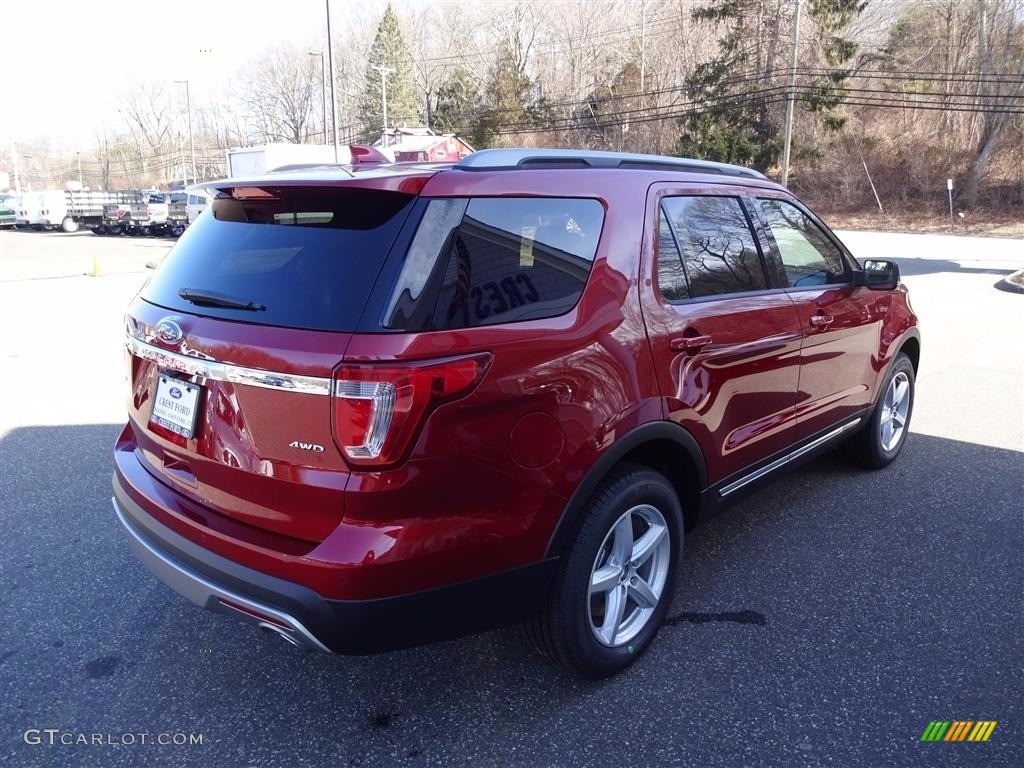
(232, 344)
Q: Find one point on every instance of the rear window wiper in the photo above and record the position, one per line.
(202, 298)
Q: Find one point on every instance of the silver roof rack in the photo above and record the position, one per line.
(506, 159)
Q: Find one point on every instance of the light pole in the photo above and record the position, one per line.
(384, 72)
(323, 89)
(191, 143)
(330, 63)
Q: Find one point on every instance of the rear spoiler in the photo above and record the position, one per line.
(361, 155)
(377, 171)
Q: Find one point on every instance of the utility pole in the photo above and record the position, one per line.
(191, 142)
(643, 45)
(384, 72)
(323, 89)
(79, 155)
(792, 95)
(334, 98)
(14, 163)
(181, 157)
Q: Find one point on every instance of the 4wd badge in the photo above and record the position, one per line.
(306, 446)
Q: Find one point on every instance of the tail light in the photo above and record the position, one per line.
(378, 409)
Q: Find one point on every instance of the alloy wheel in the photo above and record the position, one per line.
(895, 407)
(629, 575)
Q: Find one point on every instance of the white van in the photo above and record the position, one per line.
(53, 211)
(27, 210)
(196, 203)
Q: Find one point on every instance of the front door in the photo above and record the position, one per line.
(841, 323)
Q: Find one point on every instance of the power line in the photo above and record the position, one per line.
(758, 97)
(740, 101)
(751, 77)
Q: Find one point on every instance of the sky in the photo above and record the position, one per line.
(68, 59)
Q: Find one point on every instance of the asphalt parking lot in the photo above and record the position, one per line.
(824, 622)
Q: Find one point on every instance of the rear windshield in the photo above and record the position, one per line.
(308, 257)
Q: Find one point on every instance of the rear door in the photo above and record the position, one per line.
(232, 344)
(726, 347)
(840, 322)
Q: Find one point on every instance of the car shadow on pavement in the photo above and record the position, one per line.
(91, 640)
(915, 267)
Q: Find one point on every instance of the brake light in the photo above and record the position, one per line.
(377, 409)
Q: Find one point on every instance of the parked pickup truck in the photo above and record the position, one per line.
(149, 212)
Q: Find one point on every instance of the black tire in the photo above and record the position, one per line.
(564, 630)
(114, 229)
(867, 448)
(100, 230)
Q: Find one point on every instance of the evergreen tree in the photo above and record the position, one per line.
(736, 114)
(507, 97)
(457, 103)
(731, 122)
(833, 17)
(616, 102)
(389, 50)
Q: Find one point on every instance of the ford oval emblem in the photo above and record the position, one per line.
(169, 331)
(176, 393)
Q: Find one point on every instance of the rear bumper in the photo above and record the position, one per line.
(312, 622)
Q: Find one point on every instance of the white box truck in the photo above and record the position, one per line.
(252, 161)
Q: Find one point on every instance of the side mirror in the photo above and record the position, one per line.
(879, 275)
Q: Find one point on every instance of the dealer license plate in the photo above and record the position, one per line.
(176, 405)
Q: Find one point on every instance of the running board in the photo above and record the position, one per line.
(788, 458)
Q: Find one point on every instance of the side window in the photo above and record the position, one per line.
(495, 260)
(671, 278)
(717, 246)
(808, 256)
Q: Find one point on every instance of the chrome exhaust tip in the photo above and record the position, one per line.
(266, 626)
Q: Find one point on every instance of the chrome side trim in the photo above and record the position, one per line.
(782, 461)
(195, 588)
(236, 374)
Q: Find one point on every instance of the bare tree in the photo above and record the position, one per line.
(997, 118)
(437, 44)
(148, 109)
(280, 92)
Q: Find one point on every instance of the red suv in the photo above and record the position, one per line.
(379, 405)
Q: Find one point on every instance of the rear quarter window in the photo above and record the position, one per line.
(484, 261)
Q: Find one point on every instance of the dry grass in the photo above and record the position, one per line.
(981, 223)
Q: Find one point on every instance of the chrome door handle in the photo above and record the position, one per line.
(821, 321)
(688, 343)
